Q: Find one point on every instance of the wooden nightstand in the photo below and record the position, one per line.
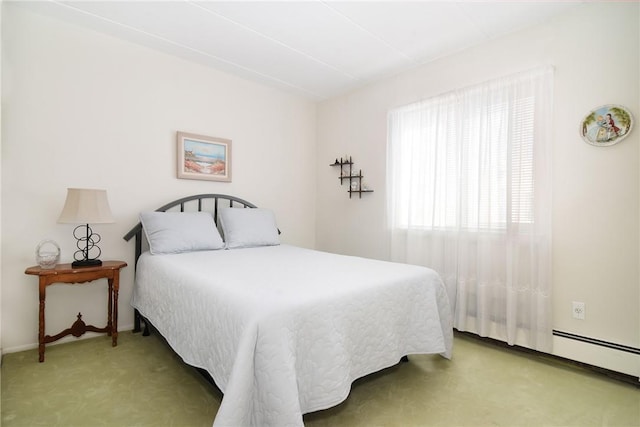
(64, 273)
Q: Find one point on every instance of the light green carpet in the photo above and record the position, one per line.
(142, 383)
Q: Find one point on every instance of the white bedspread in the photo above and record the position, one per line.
(283, 330)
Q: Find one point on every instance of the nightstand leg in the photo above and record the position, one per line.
(110, 308)
(43, 296)
(116, 289)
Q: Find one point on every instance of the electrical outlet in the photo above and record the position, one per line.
(578, 309)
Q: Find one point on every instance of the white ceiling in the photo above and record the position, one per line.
(316, 48)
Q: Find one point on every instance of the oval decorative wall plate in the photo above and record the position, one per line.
(606, 125)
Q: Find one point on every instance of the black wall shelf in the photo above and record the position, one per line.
(354, 177)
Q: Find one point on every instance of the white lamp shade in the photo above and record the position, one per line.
(86, 206)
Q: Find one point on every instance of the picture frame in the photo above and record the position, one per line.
(606, 125)
(203, 157)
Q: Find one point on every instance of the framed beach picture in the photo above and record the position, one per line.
(606, 125)
(204, 157)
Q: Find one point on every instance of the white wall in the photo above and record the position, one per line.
(595, 52)
(82, 109)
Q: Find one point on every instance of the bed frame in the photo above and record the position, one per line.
(203, 203)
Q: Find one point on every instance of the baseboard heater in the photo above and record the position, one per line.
(629, 379)
(594, 341)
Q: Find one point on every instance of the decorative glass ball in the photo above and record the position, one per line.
(47, 254)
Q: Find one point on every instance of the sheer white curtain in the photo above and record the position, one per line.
(469, 185)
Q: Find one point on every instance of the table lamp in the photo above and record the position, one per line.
(86, 206)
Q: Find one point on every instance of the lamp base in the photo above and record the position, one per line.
(86, 263)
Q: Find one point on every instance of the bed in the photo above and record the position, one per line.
(281, 330)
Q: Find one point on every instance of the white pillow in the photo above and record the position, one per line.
(176, 232)
(248, 227)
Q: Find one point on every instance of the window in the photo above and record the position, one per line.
(464, 160)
